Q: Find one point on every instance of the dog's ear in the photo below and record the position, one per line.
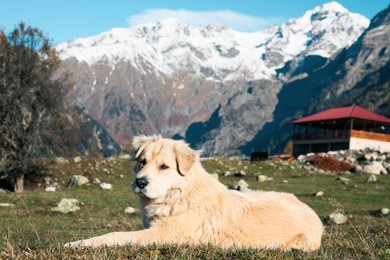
(140, 141)
(185, 157)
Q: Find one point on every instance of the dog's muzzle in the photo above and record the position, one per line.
(141, 182)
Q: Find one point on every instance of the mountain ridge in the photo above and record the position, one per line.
(167, 78)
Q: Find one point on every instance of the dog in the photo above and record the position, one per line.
(182, 204)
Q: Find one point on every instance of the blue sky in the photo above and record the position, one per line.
(64, 20)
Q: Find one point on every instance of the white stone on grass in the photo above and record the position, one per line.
(240, 174)
(344, 179)
(7, 205)
(242, 185)
(105, 186)
(62, 160)
(50, 189)
(77, 159)
(66, 206)
(129, 210)
(262, 178)
(374, 168)
(77, 180)
(227, 173)
(385, 211)
(338, 218)
(371, 178)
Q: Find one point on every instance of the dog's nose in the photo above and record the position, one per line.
(141, 182)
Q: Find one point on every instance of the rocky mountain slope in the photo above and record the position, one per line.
(357, 75)
(212, 85)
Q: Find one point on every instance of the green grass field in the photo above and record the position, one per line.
(29, 230)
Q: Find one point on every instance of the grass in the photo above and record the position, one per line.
(29, 230)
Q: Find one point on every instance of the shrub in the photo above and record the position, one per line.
(330, 163)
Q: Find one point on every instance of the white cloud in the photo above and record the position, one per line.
(234, 20)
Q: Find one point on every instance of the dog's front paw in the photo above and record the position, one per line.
(78, 243)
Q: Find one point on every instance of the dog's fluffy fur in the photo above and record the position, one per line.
(183, 204)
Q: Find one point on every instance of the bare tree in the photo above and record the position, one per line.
(32, 100)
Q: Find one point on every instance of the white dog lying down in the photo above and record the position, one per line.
(182, 204)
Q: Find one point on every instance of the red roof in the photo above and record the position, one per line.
(343, 113)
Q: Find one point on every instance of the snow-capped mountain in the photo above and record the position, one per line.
(170, 45)
(358, 75)
(322, 31)
(164, 77)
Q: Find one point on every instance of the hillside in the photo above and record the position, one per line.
(214, 86)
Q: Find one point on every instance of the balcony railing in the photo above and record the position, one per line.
(322, 135)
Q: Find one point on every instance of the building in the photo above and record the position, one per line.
(341, 128)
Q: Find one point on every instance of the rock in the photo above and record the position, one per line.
(47, 180)
(374, 168)
(308, 168)
(214, 175)
(124, 156)
(368, 156)
(338, 218)
(77, 180)
(7, 205)
(319, 194)
(50, 189)
(242, 185)
(96, 181)
(343, 179)
(77, 159)
(227, 173)
(301, 158)
(285, 181)
(105, 186)
(66, 206)
(371, 178)
(358, 168)
(384, 211)
(121, 176)
(3, 191)
(62, 160)
(262, 178)
(240, 174)
(129, 210)
(271, 164)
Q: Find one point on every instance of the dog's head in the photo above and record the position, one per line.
(161, 165)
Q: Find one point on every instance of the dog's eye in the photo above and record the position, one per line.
(163, 167)
(142, 162)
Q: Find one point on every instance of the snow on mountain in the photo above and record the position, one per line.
(215, 86)
(170, 45)
(322, 31)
